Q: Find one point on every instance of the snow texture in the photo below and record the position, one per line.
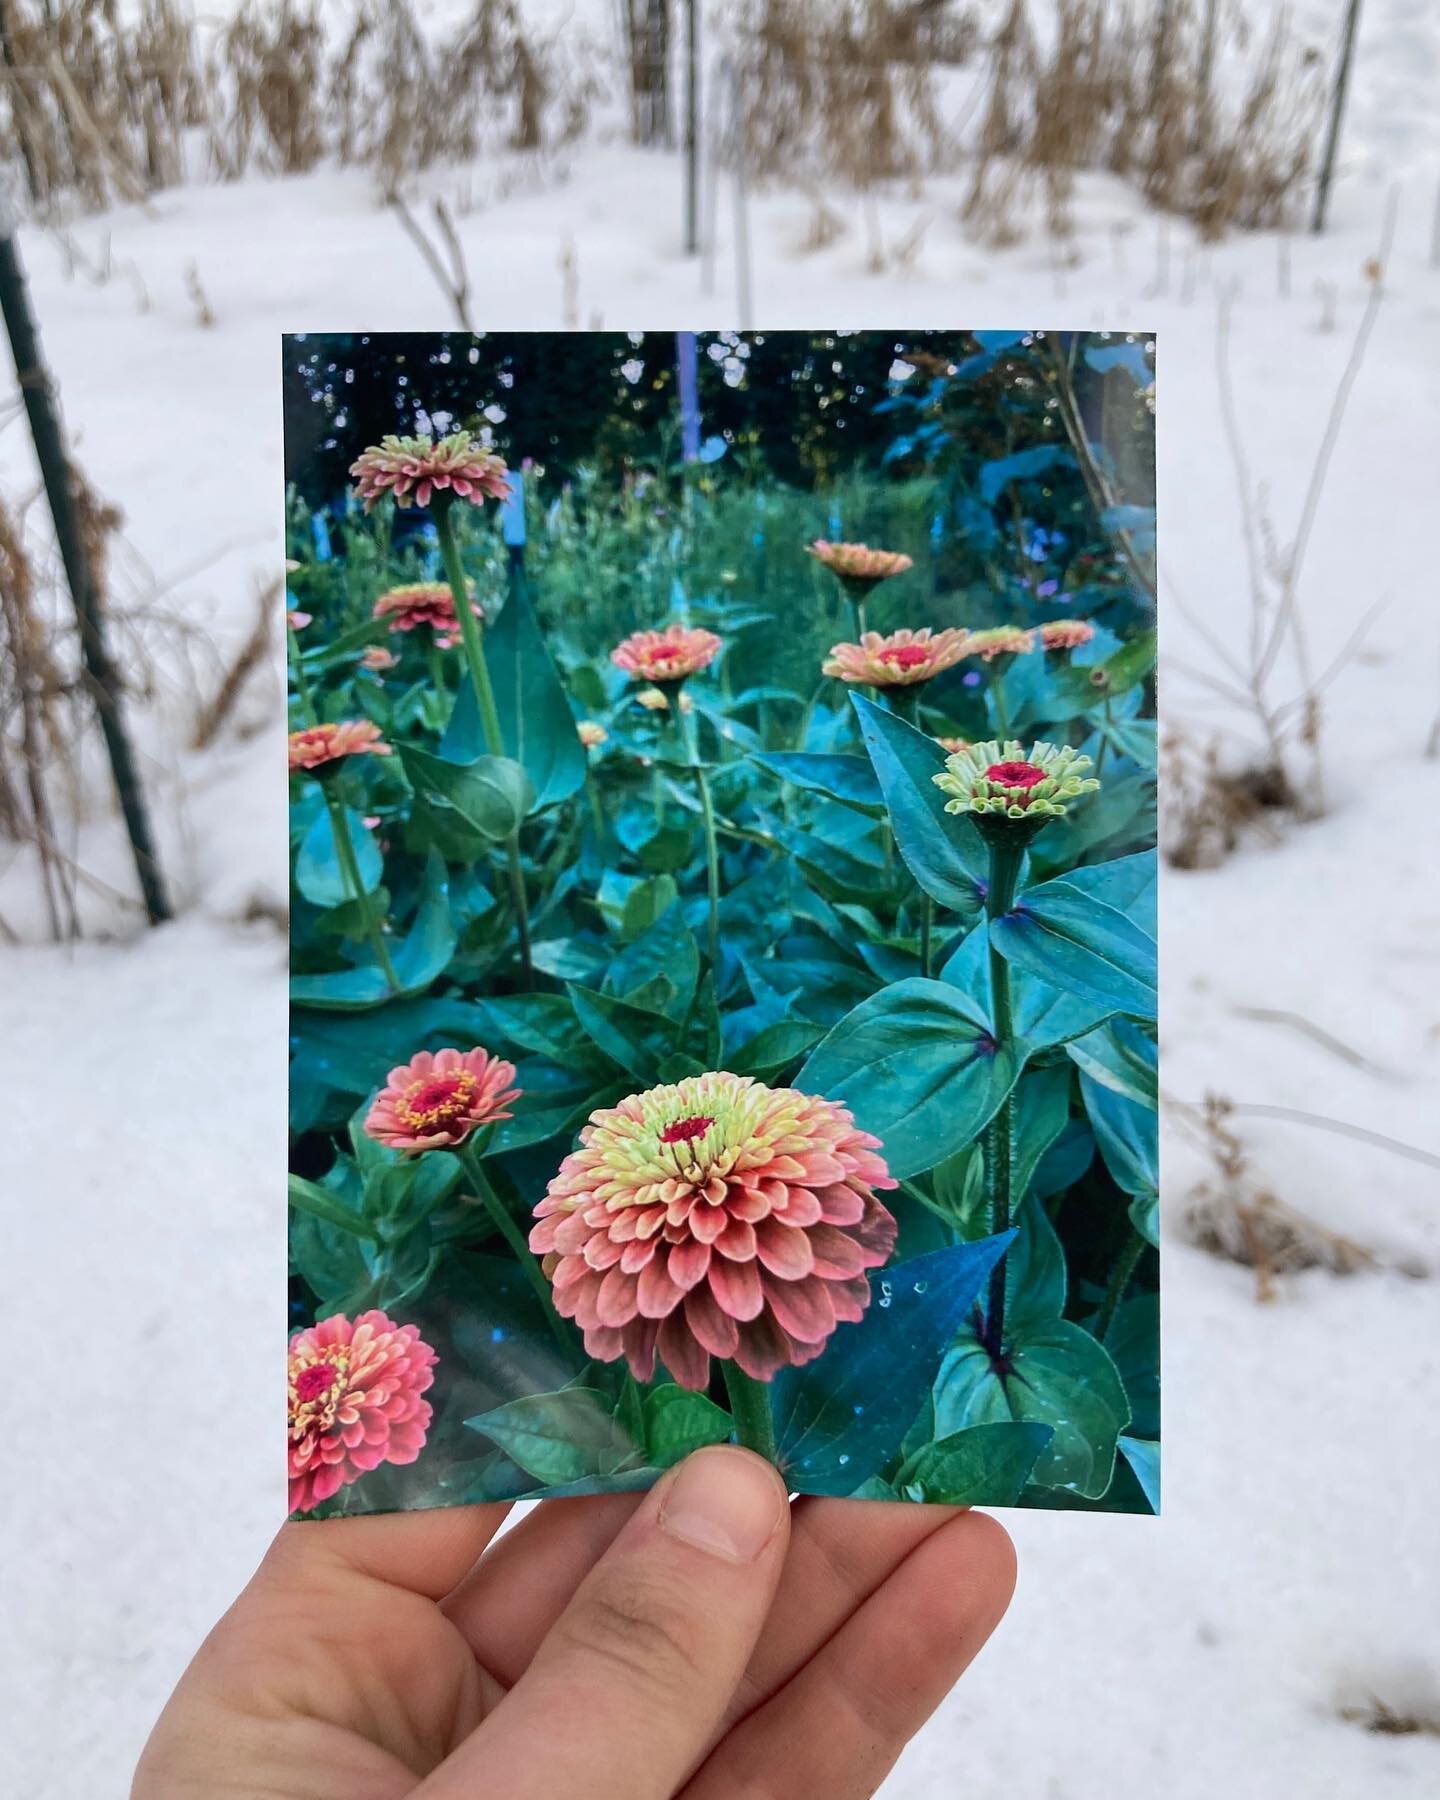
(1295, 1568)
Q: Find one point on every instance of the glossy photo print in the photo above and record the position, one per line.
(722, 775)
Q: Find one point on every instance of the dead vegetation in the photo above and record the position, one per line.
(104, 104)
(852, 92)
(1235, 1214)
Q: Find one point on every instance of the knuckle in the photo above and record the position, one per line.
(633, 1626)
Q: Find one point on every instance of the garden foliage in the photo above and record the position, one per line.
(760, 876)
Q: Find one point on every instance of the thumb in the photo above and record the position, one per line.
(625, 1693)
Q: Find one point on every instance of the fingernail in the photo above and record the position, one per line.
(725, 1502)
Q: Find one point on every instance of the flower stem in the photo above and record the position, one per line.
(1005, 860)
(1119, 1281)
(436, 662)
(515, 1238)
(474, 644)
(297, 675)
(597, 808)
(707, 814)
(350, 869)
(927, 927)
(750, 1409)
(1002, 716)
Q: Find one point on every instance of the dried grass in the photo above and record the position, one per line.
(1131, 91)
(100, 104)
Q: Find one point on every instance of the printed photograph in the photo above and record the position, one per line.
(723, 954)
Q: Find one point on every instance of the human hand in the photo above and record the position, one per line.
(705, 1640)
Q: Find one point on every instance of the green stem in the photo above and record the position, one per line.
(1119, 1280)
(350, 869)
(1104, 742)
(436, 661)
(927, 928)
(750, 1409)
(597, 809)
(1006, 858)
(501, 1218)
(1002, 716)
(297, 675)
(707, 814)
(474, 643)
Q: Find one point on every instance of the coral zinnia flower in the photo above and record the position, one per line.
(415, 469)
(900, 660)
(857, 565)
(435, 1102)
(1066, 634)
(355, 1388)
(952, 744)
(592, 733)
(1000, 640)
(668, 655)
(1004, 779)
(297, 621)
(655, 699)
(317, 745)
(716, 1217)
(378, 658)
(423, 603)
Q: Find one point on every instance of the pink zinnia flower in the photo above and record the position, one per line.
(857, 565)
(415, 469)
(715, 1217)
(592, 733)
(297, 621)
(355, 1388)
(668, 655)
(378, 658)
(900, 660)
(424, 603)
(434, 1102)
(317, 745)
(1066, 634)
(1000, 640)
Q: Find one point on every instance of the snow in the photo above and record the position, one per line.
(1295, 1567)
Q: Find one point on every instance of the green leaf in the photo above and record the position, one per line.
(560, 1438)
(1056, 1374)
(537, 726)
(776, 1048)
(632, 1036)
(1119, 1056)
(424, 954)
(1127, 1134)
(490, 793)
(849, 779)
(1128, 883)
(677, 1422)
(666, 950)
(984, 1465)
(1133, 1344)
(943, 851)
(307, 1197)
(644, 904)
(842, 1418)
(1035, 1276)
(317, 866)
(1144, 1458)
(338, 1057)
(1081, 946)
(1079, 687)
(917, 1066)
(1044, 1016)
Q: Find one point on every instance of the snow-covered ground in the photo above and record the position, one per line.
(1296, 1570)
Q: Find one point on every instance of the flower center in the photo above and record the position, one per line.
(685, 1131)
(438, 1099)
(905, 656)
(664, 652)
(315, 1380)
(1015, 774)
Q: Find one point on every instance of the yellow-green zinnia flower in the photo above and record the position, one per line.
(1003, 779)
